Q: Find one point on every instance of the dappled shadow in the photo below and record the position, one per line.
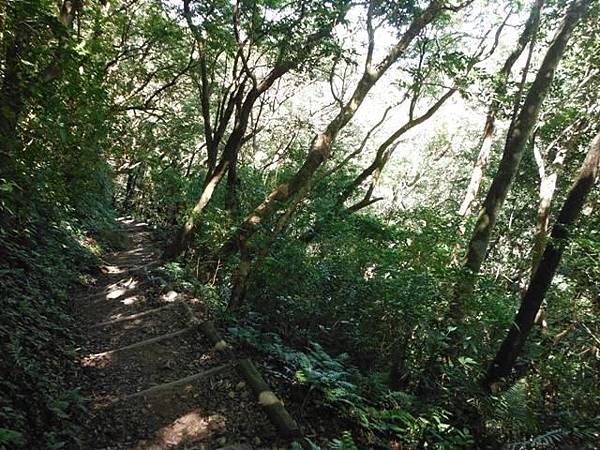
(133, 406)
(208, 414)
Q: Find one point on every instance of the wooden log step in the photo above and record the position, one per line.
(115, 269)
(182, 381)
(207, 327)
(133, 316)
(143, 267)
(130, 262)
(132, 257)
(153, 340)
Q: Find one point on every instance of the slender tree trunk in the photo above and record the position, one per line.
(480, 165)
(546, 269)
(485, 144)
(373, 170)
(548, 179)
(368, 199)
(518, 136)
(556, 154)
(399, 375)
(185, 233)
(240, 278)
(132, 178)
(244, 268)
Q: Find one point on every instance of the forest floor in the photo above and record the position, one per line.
(135, 341)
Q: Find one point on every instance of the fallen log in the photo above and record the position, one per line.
(274, 408)
(276, 412)
(190, 316)
(208, 328)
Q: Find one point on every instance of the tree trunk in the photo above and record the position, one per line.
(518, 136)
(240, 278)
(542, 278)
(399, 375)
(485, 144)
(548, 179)
(233, 181)
(132, 177)
(184, 234)
(244, 268)
(482, 159)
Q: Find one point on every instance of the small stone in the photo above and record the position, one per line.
(222, 441)
(256, 441)
(241, 385)
(231, 394)
(170, 296)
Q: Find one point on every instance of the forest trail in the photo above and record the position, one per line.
(154, 381)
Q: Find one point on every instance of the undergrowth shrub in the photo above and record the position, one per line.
(40, 260)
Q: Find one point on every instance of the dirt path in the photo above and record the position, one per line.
(154, 382)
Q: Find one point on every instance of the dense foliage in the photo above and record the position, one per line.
(305, 163)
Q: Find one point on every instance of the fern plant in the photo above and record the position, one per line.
(345, 442)
(558, 438)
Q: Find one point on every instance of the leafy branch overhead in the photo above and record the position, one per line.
(390, 206)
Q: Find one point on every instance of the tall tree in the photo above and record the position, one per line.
(549, 162)
(546, 269)
(519, 134)
(457, 67)
(550, 153)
